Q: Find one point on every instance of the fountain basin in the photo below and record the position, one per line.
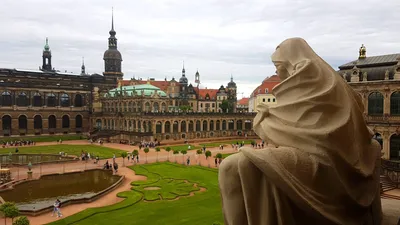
(24, 159)
(34, 197)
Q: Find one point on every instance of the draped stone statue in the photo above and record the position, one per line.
(325, 169)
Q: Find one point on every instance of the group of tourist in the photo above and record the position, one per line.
(17, 143)
(149, 144)
(258, 145)
(133, 157)
(217, 161)
(110, 166)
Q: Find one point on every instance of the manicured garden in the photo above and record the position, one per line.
(207, 145)
(161, 199)
(44, 138)
(94, 150)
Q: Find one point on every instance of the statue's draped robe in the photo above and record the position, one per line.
(326, 168)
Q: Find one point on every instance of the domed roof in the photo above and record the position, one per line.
(183, 80)
(136, 90)
(112, 54)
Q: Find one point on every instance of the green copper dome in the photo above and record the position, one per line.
(136, 90)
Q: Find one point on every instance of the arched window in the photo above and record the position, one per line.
(156, 107)
(78, 100)
(175, 127)
(22, 122)
(6, 121)
(37, 122)
(65, 121)
(51, 100)
(64, 100)
(37, 100)
(375, 104)
(158, 127)
(78, 121)
(205, 125)
(6, 99)
(167, 127)
(183, 126)
(163, 107)
(22, 99)
(147, 107)
(52, 122)
(394, 147)
(395, 103)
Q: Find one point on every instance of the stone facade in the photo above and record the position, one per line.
(377, 80)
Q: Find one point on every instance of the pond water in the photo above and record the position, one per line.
(24, 159)
(37, 194)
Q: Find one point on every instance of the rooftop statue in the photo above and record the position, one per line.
(325, 169)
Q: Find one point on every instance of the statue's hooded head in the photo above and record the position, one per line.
(316, 110)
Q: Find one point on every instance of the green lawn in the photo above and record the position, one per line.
(204, 208)
(227, 154)
(50, 138)
(225, 143)
(181, 147)
(94, 150)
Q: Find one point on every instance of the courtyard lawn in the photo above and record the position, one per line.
(173, 180)
(50, 138)
(181, 147)
(228, 154)
(225, 143)
(94, 150)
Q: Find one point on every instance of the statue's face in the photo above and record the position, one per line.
(281, 64)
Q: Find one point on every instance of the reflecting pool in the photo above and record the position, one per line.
(24, 159)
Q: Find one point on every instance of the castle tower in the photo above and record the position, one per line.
(46, 66)
(232, 93)
(83, 68)
(197, 78)
(112, 57)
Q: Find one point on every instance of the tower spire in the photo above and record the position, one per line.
(83, 69)
(112, 18)
(183, 68)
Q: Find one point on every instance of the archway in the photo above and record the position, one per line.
(191, 126)
(212, 125)
(6, 121)
(22, 122)
(65, 121)
(183, 126)
(218, 123)
(205, 125)
(175, 127)
(394, 147)
(158, 127)
(198, 125)
(167, 127)
(78, 100)
(375, 103)
(37, 122)
(223, 124)
(52, 122)
(78, 121)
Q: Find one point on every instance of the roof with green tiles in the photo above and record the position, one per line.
(136, 90)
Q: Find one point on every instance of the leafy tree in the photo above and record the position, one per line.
(208, 155)
(175, 152)
(183, 152)
(9, 210)
(158, 149)
(199, 152)
(146, 150)
(23, 220)
(168, 149)
(124, 155)
(226, 106)
(218, 156)
(134, 154)
(185, 108)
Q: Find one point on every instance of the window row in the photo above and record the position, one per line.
(50, 100)
(376, 103)
(38, 122)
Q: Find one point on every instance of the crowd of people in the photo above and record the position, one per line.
(6, 144)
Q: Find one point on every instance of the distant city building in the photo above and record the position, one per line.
(50, 102)
(377, 80)
(263, 93)
(243, 105)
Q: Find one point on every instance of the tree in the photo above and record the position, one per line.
(208, 155)
(146, 150)
(23, 220)
(226, 106)
(185, 108)
(175, 152)
(183, 152)
(134, 154)
(168, 149)
(198, 152)
(124, 155)
(9, 210)
(158, 149)
(218, 156)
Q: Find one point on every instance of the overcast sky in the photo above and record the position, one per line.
(217, 37)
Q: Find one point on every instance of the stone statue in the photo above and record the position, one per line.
(326, 168)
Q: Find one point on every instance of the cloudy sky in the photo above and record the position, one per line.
(217, 37)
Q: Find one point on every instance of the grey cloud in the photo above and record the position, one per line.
(219, 37)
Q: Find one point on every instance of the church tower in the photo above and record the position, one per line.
(83, 68)
(197, 78)
(112, 57)
(46, 66)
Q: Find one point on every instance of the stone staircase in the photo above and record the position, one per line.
(386, 184)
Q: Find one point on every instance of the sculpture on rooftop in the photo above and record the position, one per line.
(326, 168)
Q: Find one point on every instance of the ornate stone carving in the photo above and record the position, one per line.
(365, 76)
(355, 77)
(387, 75)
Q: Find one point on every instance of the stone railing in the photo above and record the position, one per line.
(391, 170)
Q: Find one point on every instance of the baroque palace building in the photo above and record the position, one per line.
(50, 102)
(377, 80)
